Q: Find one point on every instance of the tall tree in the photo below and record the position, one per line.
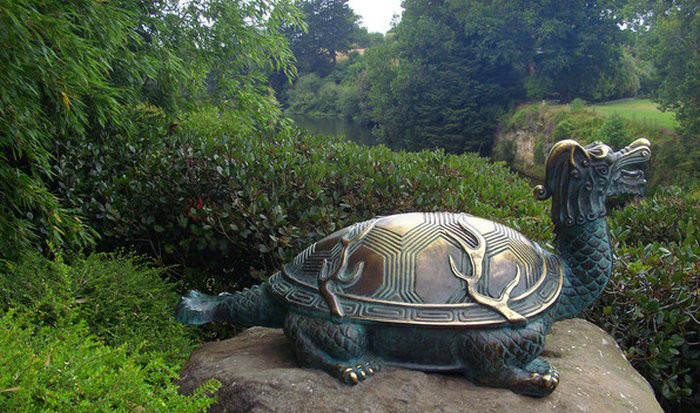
(332, 28)
(667, 34)
(563, 49)
(459, 63)
(675, 50)
(575, 44)
(441, 91)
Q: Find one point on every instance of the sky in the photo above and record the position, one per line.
(376, 14)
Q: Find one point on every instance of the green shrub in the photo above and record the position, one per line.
(577, 105)
(582, 124)
(652, 307)
(615, 132)
(121, 300)
(674, 161)
(563, 130)
(315, 96)
(350, 102)
(36, 285)
(95, 335)
(652, 303)
(329, 98)
(66, 369)
(240, 206)
(303, 96)
(671, 215)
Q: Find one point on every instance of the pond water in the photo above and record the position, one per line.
(336, 126)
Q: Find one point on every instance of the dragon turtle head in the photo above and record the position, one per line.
(579, 178)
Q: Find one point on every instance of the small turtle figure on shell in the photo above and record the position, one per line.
(445, 291)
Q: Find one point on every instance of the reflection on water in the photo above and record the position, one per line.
(336, 126)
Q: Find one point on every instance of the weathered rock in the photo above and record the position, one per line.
(259, 373)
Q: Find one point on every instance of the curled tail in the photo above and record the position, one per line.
(251, 307)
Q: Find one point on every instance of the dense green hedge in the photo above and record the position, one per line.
(652, 303)
(97, 335)
(122, 301)
(210, 199)
(67, 370)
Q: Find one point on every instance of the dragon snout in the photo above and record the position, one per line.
(636, 152)
(633, 155)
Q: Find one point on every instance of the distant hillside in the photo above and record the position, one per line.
(524, 138)
(644, 111)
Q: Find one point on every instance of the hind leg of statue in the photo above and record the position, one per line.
(507, 358)
(338, 349)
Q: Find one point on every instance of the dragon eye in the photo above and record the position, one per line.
(602, 170)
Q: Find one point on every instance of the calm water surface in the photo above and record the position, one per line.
(336, 126)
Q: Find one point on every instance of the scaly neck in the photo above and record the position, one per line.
(588, 255)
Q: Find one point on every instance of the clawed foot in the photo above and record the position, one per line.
(537, 379)
(545, 383)
(353, 374)
(543, 377)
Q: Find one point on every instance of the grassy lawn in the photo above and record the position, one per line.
(642, 110)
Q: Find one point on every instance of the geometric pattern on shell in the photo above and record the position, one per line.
(434, 269)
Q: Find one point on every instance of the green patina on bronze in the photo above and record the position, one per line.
(445, 291)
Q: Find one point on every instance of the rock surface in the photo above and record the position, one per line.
(259, 373)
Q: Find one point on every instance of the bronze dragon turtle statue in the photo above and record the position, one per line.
(445, 291)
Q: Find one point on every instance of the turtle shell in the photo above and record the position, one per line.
(437, 269)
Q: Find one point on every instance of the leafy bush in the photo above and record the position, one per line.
(577, 104)
(652, 303)
(121, 301)
(350, 102)
(582, 124)
(314, 96)
(303, 95)
(329, 98)
(652, 308)
(563, 130)
(671, 215)
(96, 335)
(237, 206)
(614, 132)
(78, 70)
(66, 369)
